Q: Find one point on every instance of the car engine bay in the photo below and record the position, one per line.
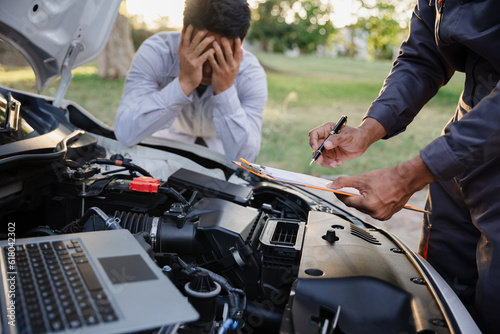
(251, 256)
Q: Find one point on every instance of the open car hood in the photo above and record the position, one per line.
(55, 35)
(290, 260)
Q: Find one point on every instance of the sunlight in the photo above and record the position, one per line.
(150, 11)
(343, 12)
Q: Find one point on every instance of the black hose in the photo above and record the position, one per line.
(135, 222)
(111, 223)
(130, 166)
(173, 192)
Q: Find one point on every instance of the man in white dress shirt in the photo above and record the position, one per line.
(198, 85)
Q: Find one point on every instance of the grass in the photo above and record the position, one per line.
(99, 96)
(304, 92)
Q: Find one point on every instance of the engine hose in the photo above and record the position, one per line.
(173, 192)
(164, 233)
(128, 165)
(110, 223)
(135, 222)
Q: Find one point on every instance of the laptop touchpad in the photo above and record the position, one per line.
(127, 269)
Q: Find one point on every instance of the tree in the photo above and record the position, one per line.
(384, 22)
(384, 34)
(287, 24)
(114, 61)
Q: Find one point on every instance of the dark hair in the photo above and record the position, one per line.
(230, 18)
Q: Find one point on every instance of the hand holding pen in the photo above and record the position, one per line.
(336, 129)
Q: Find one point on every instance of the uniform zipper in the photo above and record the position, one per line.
(441, 6)
(440, 10)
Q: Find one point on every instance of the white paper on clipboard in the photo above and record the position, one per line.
(303, 179)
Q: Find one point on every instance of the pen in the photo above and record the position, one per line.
(336, 129)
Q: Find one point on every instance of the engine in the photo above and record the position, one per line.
(196, 227)
(251, 256)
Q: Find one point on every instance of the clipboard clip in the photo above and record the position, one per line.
(254, 168)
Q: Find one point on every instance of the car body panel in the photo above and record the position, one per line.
(47, 31)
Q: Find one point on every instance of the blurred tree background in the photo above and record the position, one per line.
(282, 25)
(376, 28)
(373, 29)
(323, 58)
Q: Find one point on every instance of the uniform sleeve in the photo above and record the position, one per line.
(467, 143)
(416, 76)
(238, 113)
(147, 105)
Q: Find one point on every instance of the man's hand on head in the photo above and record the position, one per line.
(225, 63)
(193, 53)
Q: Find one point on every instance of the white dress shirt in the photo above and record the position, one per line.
(153, 103)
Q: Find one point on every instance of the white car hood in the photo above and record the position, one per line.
(57, 34)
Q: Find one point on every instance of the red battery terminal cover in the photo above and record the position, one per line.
(145, 184)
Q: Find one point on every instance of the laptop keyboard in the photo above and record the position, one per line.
(57, 288)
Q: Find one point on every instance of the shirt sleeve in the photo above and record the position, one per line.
(238, 112)
(147, 104)
(467, 143)
(418, 73)
(416, 76)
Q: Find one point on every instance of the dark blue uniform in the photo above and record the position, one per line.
(461, 236)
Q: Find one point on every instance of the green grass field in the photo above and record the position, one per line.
(304, 92)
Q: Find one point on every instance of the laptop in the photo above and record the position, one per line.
(91, 282)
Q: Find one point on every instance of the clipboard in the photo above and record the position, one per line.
(305, 180)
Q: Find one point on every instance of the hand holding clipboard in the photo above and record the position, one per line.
(309, 181)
